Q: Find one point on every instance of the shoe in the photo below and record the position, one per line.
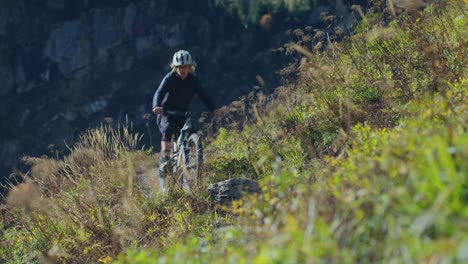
(185, 185)
(164, 165)
(162, 185)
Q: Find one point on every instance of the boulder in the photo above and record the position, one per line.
(232, 189)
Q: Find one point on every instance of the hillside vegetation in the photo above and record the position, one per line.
(249, 11)
(361, 156)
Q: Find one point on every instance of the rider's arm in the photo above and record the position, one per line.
(206, 99)
(160, 93)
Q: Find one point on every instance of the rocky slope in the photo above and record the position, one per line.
(66, 65)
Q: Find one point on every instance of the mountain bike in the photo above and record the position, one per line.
(186, 161)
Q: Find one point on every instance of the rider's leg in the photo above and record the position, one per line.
(164, 160)
(164, 157)
(168, 127)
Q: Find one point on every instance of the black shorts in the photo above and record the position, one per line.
(170, 126)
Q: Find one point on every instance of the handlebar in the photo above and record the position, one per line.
(175, 113)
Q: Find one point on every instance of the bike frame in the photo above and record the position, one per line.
(181, 142)
(179, 147)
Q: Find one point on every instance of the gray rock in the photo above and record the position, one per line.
(143, 45)
(129, 19)
(172, 36)
(6, 80)
(9, 151)
(63, 45)
(94, 107)
(108, 29)
(232, 189)
(3, 22)
(55, 4)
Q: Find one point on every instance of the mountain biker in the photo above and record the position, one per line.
(175, 93)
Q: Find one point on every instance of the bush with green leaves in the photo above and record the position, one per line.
(250, 11)
(395, 195)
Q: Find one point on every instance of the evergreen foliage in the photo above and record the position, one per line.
(250, 11)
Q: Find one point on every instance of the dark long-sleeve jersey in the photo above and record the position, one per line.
(176, 94)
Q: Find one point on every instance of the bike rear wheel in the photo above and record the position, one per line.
(191, 169)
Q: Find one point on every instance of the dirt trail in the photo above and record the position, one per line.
(147, 176)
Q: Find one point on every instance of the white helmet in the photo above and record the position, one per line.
(182, 57)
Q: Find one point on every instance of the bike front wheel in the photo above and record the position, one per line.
(191, 169)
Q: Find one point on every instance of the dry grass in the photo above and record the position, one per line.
(100, 199)
(26, 196)
(85, 195)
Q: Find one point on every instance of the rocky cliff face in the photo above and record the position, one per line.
(66, 65)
